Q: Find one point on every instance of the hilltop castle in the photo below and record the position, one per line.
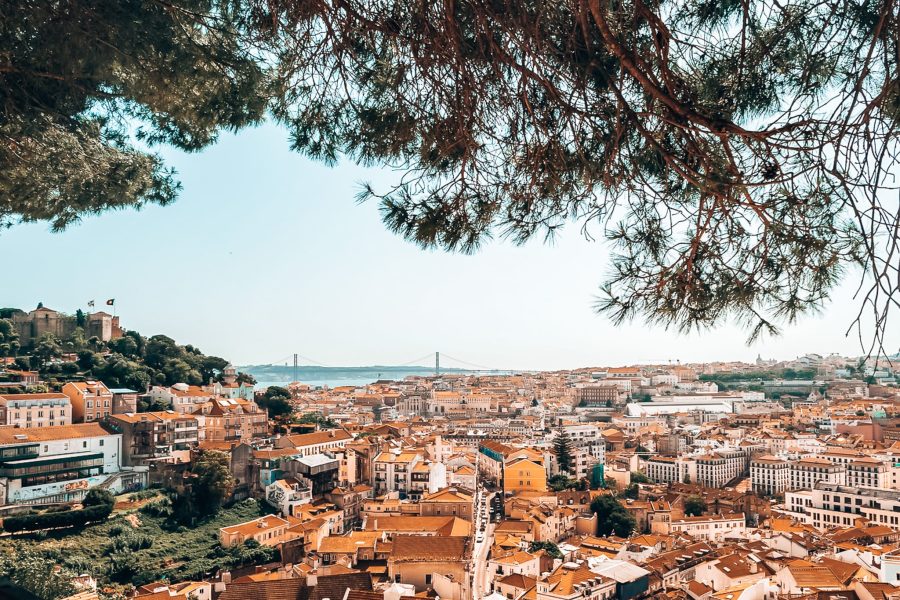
(41, 320)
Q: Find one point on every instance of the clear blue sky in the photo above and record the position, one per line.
(267, 253)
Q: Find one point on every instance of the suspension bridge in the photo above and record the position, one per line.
(439, 359)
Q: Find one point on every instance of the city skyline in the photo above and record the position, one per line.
(306, 269)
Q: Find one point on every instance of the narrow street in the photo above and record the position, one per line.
(482, 580)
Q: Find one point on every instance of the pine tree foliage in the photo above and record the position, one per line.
(562, 448)
(737, 155)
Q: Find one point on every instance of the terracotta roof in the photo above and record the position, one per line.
(445, 526)
(809, 575)
(261, 524)
(418, 548)
(47, 396)
(334, 587)
(318, 437)
(697, 588)
(163, 415)
(327, 586)
(283, 589)
(447, 495)
(348, 544)
(15, 435)
(516, 558)
(564, 579)
(518, 580)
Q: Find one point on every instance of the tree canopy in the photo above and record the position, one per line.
(735, 154)
(694, 506)
(9, 338)
(276, 400)
(131, 361)
(212, 481)
(612, 518)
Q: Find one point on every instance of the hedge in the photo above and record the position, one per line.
(72, 518)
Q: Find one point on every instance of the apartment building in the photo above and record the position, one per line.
(393, 471)
(604, 395)
(667, 469)
(868, 473)
(524, 475)
(805, 473)
(456, 403)
(317, 442)
(829, 505)
(427, 477)
(711, 527)
(154, 436)
(227, 420)
(35, 410)
(60, 463)
(91, 400)
(182, 397)
(769, 475)
(717, 469)
(491, 458)
(448, 502)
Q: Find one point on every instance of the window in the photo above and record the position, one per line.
(84, 444)
(428, 579)
(89, 404)
(101, 442)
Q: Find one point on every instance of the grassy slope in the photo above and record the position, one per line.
(176, 553)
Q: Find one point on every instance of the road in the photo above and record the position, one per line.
(480, 578)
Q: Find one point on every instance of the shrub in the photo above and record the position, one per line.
(98, 497)
(72, 518)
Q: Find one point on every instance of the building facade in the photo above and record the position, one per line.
(60, 463)
(35, 410)
(91, 400)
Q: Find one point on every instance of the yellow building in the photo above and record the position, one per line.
(524, 475)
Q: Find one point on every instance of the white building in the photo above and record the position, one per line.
(60, 463)
(868, 473)
(394, 470)
(664, 469)
(805, 473)
(181, 397)
(770, 475)
(711, 527)
(288, 493)
(830, 505)
(718, 468)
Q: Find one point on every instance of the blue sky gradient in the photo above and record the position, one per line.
(267, 253)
